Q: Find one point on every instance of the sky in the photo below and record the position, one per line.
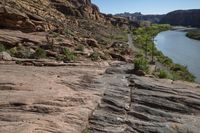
(145, 6)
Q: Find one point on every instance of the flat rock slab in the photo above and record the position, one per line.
(133, 104)
(48, 99)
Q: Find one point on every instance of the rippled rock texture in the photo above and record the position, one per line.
(48, 99)
(73, 98)
(134, 104)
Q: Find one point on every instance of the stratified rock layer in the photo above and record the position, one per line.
(134, 104)
(73, 98)
(48, 99)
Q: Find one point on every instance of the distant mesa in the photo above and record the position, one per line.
(183, 18)
(177, 18)
(140, 17)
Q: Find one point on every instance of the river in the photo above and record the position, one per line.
(180, 49)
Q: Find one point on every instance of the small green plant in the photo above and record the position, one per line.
(85, 131)
(139, 55)
(141, 64)
(2, 48)
(68, 55)
(162, 74)
(40, 53)
(95, 56)
(80, 48)
(55, 34)
(68, 32)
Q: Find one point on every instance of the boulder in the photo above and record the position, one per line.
(4, 56)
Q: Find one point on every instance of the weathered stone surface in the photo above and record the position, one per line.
(14, 19)
(48, 99)
(133, 104)
(4, 56)
(14, 37)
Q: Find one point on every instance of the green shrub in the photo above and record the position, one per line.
(68, 32)
(141, 64)
(55, 34)
(85, 131)
(40, 53)
(2, 48)
(21, 52)
(95, 56)
(139, 55)
(162, 74)
(68, 55)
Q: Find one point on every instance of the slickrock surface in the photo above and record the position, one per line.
(134, 104)
(89, 96)
(48, 99)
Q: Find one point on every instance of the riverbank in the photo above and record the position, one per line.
(164, 66)
(194, 34)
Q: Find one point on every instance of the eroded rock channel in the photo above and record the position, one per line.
(133, 104)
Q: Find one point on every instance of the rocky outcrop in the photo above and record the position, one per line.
(183, 18)
(4, 56)
(132, 104)
(14, 19)
(78, 8)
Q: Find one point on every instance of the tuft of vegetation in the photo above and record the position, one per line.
(68, 55)
(21, 52)
(194, 34)
(55, 34)
(95, 56)
(40, 53)
(85, 131)
(68, 32)
(141, 64)
(2, 47)
(80, 48)
(162, 74)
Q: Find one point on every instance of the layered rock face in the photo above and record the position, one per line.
(133, 104)
(183, 17)
(47, 15)
(44, 15)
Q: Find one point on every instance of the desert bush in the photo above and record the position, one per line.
(95, 56)
(68, 32)
(139, 55)
(2, 48)
(141, 64)
(162, 74)
(68, 55)
(40, 53)
(21, 52)
(85, 131)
